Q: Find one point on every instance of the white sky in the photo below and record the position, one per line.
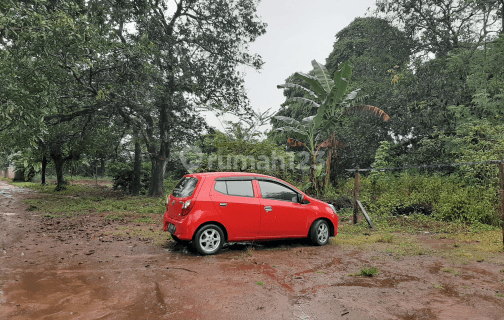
(298, 31)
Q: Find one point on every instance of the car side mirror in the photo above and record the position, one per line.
(300, 198)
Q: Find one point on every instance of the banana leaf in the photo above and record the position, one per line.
(323, 76)
(303, 101)
(314, 84)
(297, 86)
(287, 120)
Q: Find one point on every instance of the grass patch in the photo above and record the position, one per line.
(115, 217)
(500, 295)
(366, 272)
(369, 272)
(452, 271)
(437, 286)
(388, 238)
(260, 283)
(487, 241)
(399, 235)
(77, 200)
(50, 216)
(144, 220)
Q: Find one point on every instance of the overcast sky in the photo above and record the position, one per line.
(298, 31)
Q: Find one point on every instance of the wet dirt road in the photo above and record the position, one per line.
(60, 268)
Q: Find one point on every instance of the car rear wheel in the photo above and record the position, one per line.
(319, 233)
(208, 239)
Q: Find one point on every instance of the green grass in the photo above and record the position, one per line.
(399, 235)
(260, 283)
(77, 200)
(366, 272)
(369, 272)
(452, 271)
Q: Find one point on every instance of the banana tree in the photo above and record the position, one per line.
(330, 98)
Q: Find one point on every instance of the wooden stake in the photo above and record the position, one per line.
(501, 178)
(356, 196)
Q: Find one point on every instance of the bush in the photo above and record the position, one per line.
(447, 198)
(123, 176)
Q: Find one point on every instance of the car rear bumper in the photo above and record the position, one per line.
(182, 229)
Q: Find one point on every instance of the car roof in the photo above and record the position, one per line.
(240, 176)
(229, 174)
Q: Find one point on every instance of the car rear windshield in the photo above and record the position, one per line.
(185, 187)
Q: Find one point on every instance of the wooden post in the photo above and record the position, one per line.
(501, 178)
(356, 196)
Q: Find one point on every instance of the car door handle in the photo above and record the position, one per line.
(268, 208)
(222, 204)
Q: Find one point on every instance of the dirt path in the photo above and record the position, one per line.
(60, 268)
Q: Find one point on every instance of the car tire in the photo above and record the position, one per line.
(208, 239)
(319, 233)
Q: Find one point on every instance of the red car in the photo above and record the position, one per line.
(212, 208)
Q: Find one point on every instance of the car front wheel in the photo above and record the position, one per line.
(208, 239)
(319, 233)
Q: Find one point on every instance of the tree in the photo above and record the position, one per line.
(375, 48)
(440, 26)
(327, 95)
(58, 66)
(194, 48)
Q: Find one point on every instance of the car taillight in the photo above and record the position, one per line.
(168, 199)
(186, 207)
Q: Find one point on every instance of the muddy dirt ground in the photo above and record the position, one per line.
(60, 268)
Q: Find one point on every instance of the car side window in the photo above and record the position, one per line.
(220, 186)
(275, 191)
(235, 188)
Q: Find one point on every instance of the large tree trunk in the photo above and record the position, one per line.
(44, 167)
(102, 168)
(58, 163)
(137, 169)
(159, 159)
(156, 187)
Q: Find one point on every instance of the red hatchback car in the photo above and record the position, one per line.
(212, 208)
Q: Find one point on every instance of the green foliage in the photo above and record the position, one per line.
(231, 154)
(169, 185)
(446, 198)
(89, 200)
(368, 271)
(123, 175)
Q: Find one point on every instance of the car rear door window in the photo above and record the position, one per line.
(221, 187)
(235, 188)
(185, 187)
(275, 191)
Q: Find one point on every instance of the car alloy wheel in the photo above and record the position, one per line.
(209, 239)
(319, 233)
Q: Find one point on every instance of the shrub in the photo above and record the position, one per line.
(368, 272)
(445, 197)
(123, 175)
